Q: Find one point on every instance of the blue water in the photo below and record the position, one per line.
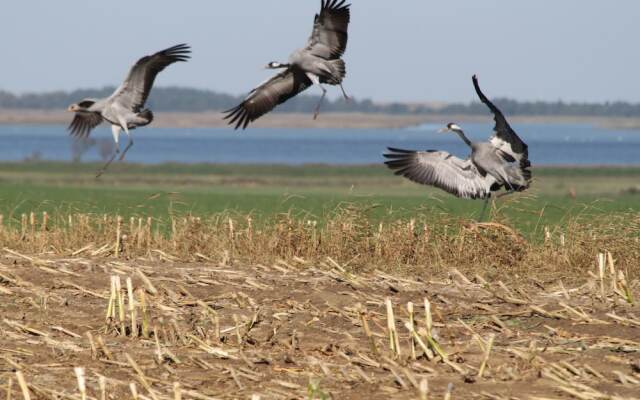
(549, 144)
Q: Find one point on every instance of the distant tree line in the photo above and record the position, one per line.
(195, 100)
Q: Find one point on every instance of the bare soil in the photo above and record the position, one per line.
(296, 330)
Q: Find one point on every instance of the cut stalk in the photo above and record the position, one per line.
(612, 272)
(102, 382)
(143, 310)
(412, 324)
(9, 388)
(32, 222)
(447, 395)
(104, 348)
(487, 353)
(23, 385)
(429, 319)
(82, 386)
(601, 261)
(626, 290)
(112, 300)
(134, 390)
(116, 248)
(367, 330)
(132, 308)
(236, 321)
(159, 353)
(424, 389)
(120, 302)
(92, 345)
(394, 342)
(427, 352)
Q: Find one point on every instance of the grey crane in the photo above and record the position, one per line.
(316, 64)
(124, 108)
(502, 162)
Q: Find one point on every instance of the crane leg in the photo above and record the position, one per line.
(344, 93)
(104, 169)
(115, 130)
(317, 112)
(484, 209)
(129, 144)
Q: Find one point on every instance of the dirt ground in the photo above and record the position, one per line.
(291, 331)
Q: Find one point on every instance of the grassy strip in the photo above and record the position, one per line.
(310, 170)
(557, 196)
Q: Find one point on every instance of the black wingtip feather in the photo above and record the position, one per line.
(179, 52)
(230, 112)
(399, 159)
(396, 150)
(334, 5)
(476, 86)
(517, 144)
(395, 164)
(235, 115)
(238, 116)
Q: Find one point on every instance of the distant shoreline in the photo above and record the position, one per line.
(213, 119)
(222, 168)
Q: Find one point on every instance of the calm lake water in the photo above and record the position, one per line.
(548, 144)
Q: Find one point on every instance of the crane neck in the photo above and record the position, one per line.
(464, 138)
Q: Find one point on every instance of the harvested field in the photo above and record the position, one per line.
(95, 308)
(293, 330)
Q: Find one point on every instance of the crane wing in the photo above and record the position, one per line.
(83, 123)
(504, 138)
(329, 36)
(267, 96)
(442, 170)
(134, 91)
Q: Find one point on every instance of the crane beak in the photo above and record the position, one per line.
(70, 109)
(443, 130)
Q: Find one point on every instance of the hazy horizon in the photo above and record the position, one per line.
(414, 52)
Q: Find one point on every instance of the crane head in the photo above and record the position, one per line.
(276, 65)
(451, 127)
(84, 105)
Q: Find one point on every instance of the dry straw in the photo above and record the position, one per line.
(349, 235)
(23, 385)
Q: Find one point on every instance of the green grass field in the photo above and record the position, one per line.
(313, 191)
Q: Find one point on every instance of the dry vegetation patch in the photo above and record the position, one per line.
(429, 243)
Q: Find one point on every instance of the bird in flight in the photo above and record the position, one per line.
(124, 109)
(502, 162)
(318, 63)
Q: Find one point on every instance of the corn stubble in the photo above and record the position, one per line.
(98, 307)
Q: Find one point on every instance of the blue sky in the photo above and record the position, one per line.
(404, 50)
